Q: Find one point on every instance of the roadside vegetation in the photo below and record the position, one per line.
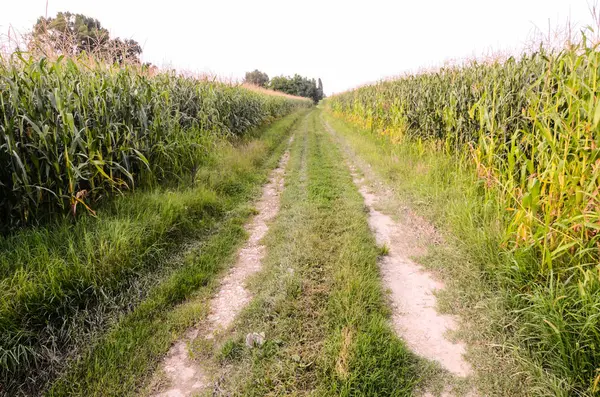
(123, 191)
(319, 300)
(141, 255)
(505, 156)
(77, 130)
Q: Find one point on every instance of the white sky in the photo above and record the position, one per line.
(346, 43)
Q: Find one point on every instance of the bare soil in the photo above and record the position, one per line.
(412, 288)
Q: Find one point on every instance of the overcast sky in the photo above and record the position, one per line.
(346, 43)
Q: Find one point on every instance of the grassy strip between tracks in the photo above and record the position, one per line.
(319, 299)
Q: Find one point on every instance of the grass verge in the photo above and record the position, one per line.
(502, 315)
(319, 299)
(63, 285)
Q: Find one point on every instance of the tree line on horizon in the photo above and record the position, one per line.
(296, 85)
(73, 34)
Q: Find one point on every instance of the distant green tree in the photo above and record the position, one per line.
(298, 85)
(72, 34)
(320, 89)
(125, 50)
(283, 84)
(257, 77)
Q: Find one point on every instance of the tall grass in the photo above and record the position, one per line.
(74, 130)
(529, 129)
(63, 284)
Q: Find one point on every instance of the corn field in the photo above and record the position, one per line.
(73, 131)
(530, 128)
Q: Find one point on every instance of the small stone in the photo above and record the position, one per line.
(254, 339)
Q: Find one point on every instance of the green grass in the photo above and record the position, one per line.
(319, 298)
(65, 284)
(506, 317)
(521, 135)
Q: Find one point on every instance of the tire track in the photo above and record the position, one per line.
(185, 377)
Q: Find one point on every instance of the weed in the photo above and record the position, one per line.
(231, 350)
(384, 250)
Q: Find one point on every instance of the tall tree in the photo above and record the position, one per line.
(72, 34)
(297, 85)
(320, 89)
(257, 77)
